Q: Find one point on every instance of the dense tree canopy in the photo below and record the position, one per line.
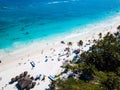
(100, 67)
(105, 55)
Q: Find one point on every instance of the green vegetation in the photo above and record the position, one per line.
(100, 68)
(69, 44)
(80, 43)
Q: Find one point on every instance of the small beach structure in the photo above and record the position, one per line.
(24, 83)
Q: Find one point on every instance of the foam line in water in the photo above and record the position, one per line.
(57, 2)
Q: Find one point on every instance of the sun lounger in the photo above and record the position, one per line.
(52, 78)
(32, 64)
(38, 77)
(46, 60)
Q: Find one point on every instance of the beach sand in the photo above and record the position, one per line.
(18, 61)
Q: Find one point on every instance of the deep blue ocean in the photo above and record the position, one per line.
(23, 21)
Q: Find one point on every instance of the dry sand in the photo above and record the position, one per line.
(18, 61)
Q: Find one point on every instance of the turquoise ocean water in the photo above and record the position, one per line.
(22, 21)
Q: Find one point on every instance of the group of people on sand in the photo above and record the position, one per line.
(39, 77)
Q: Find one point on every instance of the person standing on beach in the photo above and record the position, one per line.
(43, 78)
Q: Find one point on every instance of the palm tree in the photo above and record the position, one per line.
(118, 27)
(108, 33)
(117, 33)
(69, 44)
(52, 85)
(80, 43)
(112, 83)
(100, 35)
(94, 41)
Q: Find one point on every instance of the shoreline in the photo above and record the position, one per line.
(77, 31)
(72, 36)
(73, 31)
(18, 60)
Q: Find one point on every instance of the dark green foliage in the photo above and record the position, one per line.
(100, 67)
(105, 54)
(69, 43)
(100, 35)
(68, 67)
(118, 27)
(80, 43)
(118, 71)
(112, 82)
(52, 85)
(72, 84)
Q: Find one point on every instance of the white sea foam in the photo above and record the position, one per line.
(74, 0)
(57, 2)
(65, 1)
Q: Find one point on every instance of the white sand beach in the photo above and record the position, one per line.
(16, 62)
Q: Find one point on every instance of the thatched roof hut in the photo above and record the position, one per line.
(13, 80)
(17, 78)
(29, 86)
(21, 75)
(28, 76)
(24, 82)
(25, 73)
